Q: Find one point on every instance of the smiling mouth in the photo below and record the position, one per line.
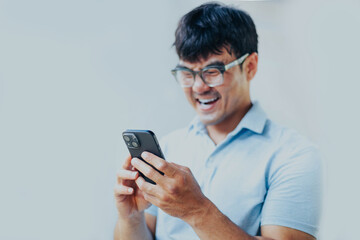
(207, 101)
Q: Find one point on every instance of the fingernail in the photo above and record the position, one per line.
(134, 174)
(144, 154)
(130, 190)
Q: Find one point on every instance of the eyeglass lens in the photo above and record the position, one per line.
(211, 77)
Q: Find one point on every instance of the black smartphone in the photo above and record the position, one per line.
(138, 141)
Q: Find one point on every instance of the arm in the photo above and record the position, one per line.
(212, 224)
(178, 194)
(132, 228)
(284, 233)
(132, 222)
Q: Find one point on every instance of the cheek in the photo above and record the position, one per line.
(238, 86)
(188, 94)
(231, 95)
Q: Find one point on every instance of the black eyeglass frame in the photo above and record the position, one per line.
(222, 69)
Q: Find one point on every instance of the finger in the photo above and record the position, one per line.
(151, 199)
(159, 163)
(123, 174)
(146, 169)
(146, 187)
(122, 190)
(127, 163)
(183, 168)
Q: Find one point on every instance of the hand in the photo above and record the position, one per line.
(129, 198)
(176, 192)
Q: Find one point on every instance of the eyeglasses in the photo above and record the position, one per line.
(212, 75)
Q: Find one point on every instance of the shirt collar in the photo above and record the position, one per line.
(254, 120)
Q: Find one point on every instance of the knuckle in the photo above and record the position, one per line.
(181, 179)
(173, 189)
(120, 173)
(161, 166)
(164, 197)
(117, 189)
(148, 172)
(142, 186)
(187, 169)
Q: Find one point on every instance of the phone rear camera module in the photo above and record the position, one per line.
(131, 140)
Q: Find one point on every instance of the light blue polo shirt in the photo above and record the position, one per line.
(261, 174)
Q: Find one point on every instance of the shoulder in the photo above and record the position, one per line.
(287, 140)
(293, 153)
(293, 180)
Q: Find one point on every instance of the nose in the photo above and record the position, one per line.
(199, 85)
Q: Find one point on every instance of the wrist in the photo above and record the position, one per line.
(198, 217)
(132, 220)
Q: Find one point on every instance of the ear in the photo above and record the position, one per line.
(250, 66)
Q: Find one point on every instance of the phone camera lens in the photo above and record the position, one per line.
(131, 140)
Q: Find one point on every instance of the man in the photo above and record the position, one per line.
(233, 173)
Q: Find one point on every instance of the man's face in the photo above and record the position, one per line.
(214, 105)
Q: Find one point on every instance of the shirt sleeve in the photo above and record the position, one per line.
(294, 194)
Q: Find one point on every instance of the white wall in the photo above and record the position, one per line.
(75, 74)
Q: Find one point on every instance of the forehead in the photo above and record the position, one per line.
(224, 58)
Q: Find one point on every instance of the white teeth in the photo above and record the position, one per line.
(204, 101)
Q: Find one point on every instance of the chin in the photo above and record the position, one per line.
(209, 120)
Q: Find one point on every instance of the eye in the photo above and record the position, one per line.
(211, 72)
(186, 74)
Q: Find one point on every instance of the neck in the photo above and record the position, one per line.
(218, 132)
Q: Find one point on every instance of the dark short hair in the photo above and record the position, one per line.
(210, 27)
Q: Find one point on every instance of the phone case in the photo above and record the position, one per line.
(147, 142)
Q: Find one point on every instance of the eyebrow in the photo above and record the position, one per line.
(215, 63)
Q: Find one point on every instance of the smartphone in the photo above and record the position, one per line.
(138, 141)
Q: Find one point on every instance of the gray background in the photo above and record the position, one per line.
(75, 74)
